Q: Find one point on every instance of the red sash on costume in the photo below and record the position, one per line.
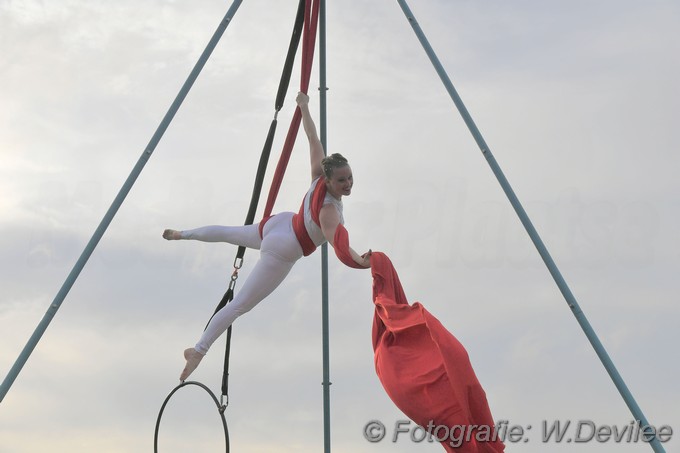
(424, 369)
(316, 201)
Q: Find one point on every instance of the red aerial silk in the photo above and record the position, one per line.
(308, 40)
(341, 236)
(425, 370)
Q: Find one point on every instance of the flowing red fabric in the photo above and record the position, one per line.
(425, 370)
(308, 41)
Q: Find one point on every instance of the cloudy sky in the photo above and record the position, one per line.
(578, 101)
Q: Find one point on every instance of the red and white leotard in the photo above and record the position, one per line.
(306, 222)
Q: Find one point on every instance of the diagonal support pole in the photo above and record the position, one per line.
(533, 234)
(117, 202)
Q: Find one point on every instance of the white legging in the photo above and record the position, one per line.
(279, 250)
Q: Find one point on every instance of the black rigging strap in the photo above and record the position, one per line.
(259, 179)
(238, 261)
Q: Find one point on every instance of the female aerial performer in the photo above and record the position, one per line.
(282, 239)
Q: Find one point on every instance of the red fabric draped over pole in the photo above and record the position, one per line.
(425, 370)
(308, 42)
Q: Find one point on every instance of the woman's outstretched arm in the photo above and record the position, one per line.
(316, 151)
(329, 217)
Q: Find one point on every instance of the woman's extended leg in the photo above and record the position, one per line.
(246, 235)
(280, 251)
(265, 277)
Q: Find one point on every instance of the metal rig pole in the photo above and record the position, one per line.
(117, 202)
(324, 248)
(533, 234)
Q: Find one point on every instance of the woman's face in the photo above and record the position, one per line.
(341, 182)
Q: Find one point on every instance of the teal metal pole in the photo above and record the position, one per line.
(533, 234)
(325, 324)
(117, 202)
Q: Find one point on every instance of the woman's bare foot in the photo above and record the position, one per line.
(193, 358)
(172, 235)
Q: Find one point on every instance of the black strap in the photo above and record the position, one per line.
(259, 178)
(290, 58)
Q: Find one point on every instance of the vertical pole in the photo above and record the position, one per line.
(324, 248)
(533, 234)
(117, 202)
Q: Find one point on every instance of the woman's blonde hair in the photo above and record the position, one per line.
(330, 163)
